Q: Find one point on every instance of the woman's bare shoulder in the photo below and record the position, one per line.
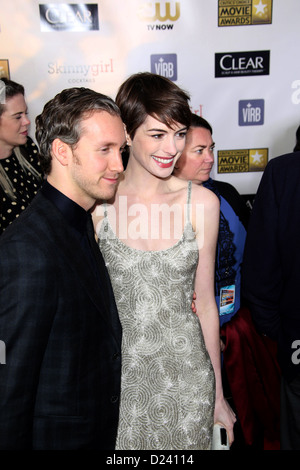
(176, 183)
(205, 195)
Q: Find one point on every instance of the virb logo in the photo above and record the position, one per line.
(251, 112)
(165, 65)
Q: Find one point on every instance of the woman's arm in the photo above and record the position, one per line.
(207, 227)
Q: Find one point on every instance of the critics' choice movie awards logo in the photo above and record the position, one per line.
(237, 64)
(155, 12)
(4, 68)
(165, 65)
(69, 17)
(242, 161)
(244, 12)
(251, 112)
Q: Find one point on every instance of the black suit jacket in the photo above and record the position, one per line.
(60, 386)
(271, 267)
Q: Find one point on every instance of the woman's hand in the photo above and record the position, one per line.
(225, 416)
(194, 310)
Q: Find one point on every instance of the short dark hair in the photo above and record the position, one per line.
(199, 121)
(62, 116)
(11, 89)
(144, 94)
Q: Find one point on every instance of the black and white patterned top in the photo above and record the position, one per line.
(25, 184)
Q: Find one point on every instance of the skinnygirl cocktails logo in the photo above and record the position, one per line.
(81, 73)
(149, 222)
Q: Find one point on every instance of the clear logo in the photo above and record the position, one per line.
(239, 64)
(69, 17)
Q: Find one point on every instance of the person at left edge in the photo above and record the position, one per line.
(60, 384)
(20, 172)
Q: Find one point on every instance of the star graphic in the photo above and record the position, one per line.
(256, 157)
(260, 8)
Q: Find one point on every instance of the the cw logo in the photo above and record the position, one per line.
(145, 12)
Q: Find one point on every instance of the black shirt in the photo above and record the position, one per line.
(77, 217)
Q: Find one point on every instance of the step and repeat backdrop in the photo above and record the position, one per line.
(238, 59)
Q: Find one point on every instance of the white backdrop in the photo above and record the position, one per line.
(179, 39)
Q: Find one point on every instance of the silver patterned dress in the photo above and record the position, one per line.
(168, 383)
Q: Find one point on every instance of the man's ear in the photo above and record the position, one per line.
(61, 151)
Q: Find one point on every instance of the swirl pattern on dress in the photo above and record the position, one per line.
(168, 385)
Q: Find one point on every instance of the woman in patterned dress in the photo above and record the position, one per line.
(171, 384)
(20, 173)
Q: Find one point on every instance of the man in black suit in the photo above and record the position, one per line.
(271, 279)
(60, 386)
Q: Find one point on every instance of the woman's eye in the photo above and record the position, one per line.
(182, 135)
(157, 136)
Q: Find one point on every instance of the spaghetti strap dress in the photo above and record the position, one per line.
(168, 383)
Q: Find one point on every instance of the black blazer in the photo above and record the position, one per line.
(271, 267)
(60, 386)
